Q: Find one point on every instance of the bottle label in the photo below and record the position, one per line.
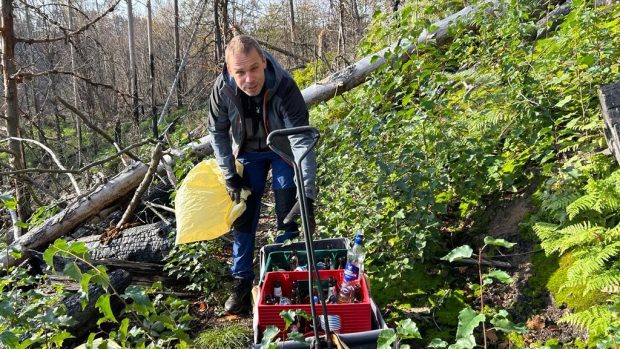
(351, 272)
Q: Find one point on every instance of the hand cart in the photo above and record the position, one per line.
(373, 325)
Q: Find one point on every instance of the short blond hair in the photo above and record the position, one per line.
(241, 44)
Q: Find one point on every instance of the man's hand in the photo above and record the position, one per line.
(296, 212)
(234, 185)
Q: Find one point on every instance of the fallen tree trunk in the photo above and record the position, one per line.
(75, 214)
(609, 97)
(356, 74)
(146, 243)
(87, 318)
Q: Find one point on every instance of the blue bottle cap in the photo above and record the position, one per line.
(358, 238)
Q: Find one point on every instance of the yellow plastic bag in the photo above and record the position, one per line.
(204, 210)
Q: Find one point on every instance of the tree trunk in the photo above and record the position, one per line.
(76, 213)
(87, 317)
(10, 105)
(149, 24)
(133, 73)
(291, 9)
(609, 97)
(219, 46)
(177, 53)
(226, 21)
(76, 96)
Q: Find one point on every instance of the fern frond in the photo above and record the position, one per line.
(581, 205)
(613, 234)
(592, 261)
(595, 319)
(574, 235)
(559, 202)
(603, 281)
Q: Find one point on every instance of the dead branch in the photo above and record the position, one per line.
(156, 156)
(165, 208)
(54, 157)
(73, 33)
(276, 48)
(94, 127)
(23, 76)
(84, 168)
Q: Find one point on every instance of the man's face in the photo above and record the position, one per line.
(248, 71)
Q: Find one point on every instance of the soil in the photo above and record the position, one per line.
(542, 324)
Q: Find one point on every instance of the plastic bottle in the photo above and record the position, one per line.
(352, 270)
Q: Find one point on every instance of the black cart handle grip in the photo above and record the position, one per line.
(293, 131)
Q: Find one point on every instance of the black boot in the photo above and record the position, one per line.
(240, 300)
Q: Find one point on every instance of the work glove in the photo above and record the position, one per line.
(234, 185)
(296, 212)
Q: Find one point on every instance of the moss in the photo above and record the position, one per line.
(224, 336)
(574, 300)
(449, 308)
(402, 292)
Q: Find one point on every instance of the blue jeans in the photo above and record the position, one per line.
(255, 169)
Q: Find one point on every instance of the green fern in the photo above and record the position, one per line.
(596, 319)
(592, 261)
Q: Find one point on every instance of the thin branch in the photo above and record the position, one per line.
(156, 156)
(278, 49)
(94, 127)
(73, 33)
(86, 167)
(28, 75)
(162, 207)
(54, 157)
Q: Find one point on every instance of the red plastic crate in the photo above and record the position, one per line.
(355, 317)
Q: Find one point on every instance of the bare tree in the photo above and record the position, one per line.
(133, 74)
(149, 24)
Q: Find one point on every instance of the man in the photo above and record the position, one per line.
(253, 96)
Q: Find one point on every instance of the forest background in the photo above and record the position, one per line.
(423, 157)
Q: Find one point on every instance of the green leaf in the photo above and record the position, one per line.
(296, 336)
(437, 343)
(500, 276)
(458, 253)
(48, 255)
(6, 309)
(141, 301)
(73, 271)
(464, 343)
(289, 317)
(103, 304)
(564, 101)
(502, 323)
(408, 329)
(270, 333)
(498, 242)
(386, 338)
(9, 339)
(59, 338)
(468, 321)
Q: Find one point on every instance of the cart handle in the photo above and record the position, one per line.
(293, 131)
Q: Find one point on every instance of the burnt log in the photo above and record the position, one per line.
(146, 243)
(75, 214)
(86, 319)
(609, 97)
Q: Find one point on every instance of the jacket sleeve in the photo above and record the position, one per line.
(295, 113)
(219, 128)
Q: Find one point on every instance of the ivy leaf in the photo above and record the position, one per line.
(103, 304)
(6, 309)
(437, 343)
(468, 321)
(9, 339)
(141, 301)
(408, 329)
(8, 201)
(502, 323)
(498, 242)
(48, 256)
(458, 253)
(386, 338)
(59, 338)
(500, 276)
(73, 271)
(270, 333)
(296, 336)
(289, 317)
